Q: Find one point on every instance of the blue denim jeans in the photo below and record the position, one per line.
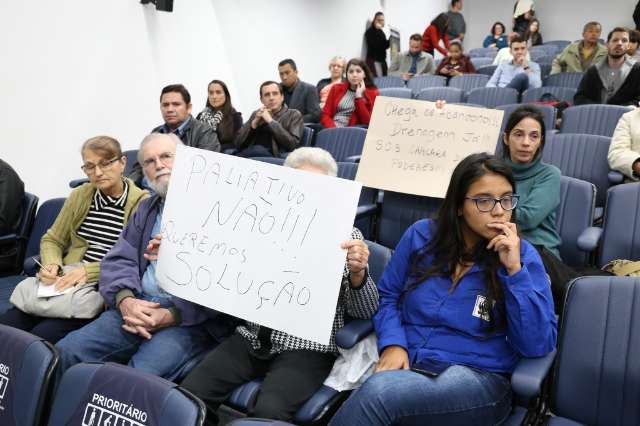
(170, 353)
(520, 82)
(458, 396)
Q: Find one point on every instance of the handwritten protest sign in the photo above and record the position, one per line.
(413, 147)
(257, 241)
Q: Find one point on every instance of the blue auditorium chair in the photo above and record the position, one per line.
(307, 136)
(564, 79)
(545, 59)
(125, 396)
(27, 363)
(388, 81)
(449, 94)
(483, 52)
(559, 44)
(492, 97)
(561, 93)
(481, 61)
(397, 92)
(419, 82)
(344, 143)
(326, 400)
(574, 218)
(367, 204)
(468, 82)
(14, 245)
(596, 379)
(487, 70)
(271, 160)
(470, 105)
(596, 119)
(545, 70)
(47, 214)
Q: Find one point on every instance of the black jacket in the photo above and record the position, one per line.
(636, 16)
(285, 131)
(377, 44)
(305, 99)
(590, 88)
(11, 194)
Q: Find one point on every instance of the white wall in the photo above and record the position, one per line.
(78, 68)
(559, 20)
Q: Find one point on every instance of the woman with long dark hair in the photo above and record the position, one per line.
(498, 37)
(435, 32)
(350, 103)
(532, 35)
(219, 113)
(462, 299)
(377, 45)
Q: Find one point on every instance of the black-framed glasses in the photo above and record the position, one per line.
(104, 165)
(487, 204)
(164, 158)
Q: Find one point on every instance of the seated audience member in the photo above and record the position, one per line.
(436, 31)
(298, 94)
(175, 106)
(293, 368)
(272, 129)
(457, 25)
(532, 36)
(538, 186)
(412, 62)
(144, 326)
(220, 114)
(336, 75)
(615, 80)
(520, 73)
(456, 62)
(497, 38)
(88, 225)
(624, 151)
(377, 45)
(11, 195)
(351, 102)
(523, 13)
(580, 55)
(634, 39)
(462, 300)
(504, 54)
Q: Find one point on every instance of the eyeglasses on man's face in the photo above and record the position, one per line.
(165, 158)
(487, 204)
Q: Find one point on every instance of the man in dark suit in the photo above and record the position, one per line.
(298, 94)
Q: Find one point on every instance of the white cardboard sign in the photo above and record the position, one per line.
(413, 147)
(255, 240)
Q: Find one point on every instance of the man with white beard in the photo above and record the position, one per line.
(144, 325)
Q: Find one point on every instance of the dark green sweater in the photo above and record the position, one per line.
(538, 185)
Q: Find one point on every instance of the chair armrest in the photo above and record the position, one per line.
(589, 239)
(30, 266)
(353, 159)
(9, 239)
(527, 378)
(77, 182)
(353, 332)
(615, 177)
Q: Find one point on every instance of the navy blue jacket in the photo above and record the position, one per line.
(437, 326)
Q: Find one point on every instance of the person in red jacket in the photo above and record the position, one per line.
(351, 102)
(435, 32)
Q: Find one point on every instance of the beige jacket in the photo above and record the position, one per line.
(625, 144)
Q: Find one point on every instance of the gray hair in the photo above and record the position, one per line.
(338, 58)
(153, 136)
(316, 157)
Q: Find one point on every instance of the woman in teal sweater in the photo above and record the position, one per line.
(538, 185)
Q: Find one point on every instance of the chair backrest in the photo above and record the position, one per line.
(47, 214)
(396, 92)
(125, 395)
(492, 97)
(388, 81)
(342, 142)
(582, 157)
(597, 379)
(449, 94)
(574, 215)
(307, 136)
(545, 70)
(487, 70)
(26, 366)
(559, 44)
(419, 82)
(29, 207)
(592, 119)
(480, 61)
(379, 256)
(545, 59)
(562, 93)
(399, 211)
(467, 82)
(271, 160)
(621, 226)
(470, 105)
(20, 238)
(483, 52)
(132, 160)
(564, 79)
(348, 170)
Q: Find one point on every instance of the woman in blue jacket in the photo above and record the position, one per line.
(461, 301)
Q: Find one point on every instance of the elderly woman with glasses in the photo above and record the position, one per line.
(88, 225)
